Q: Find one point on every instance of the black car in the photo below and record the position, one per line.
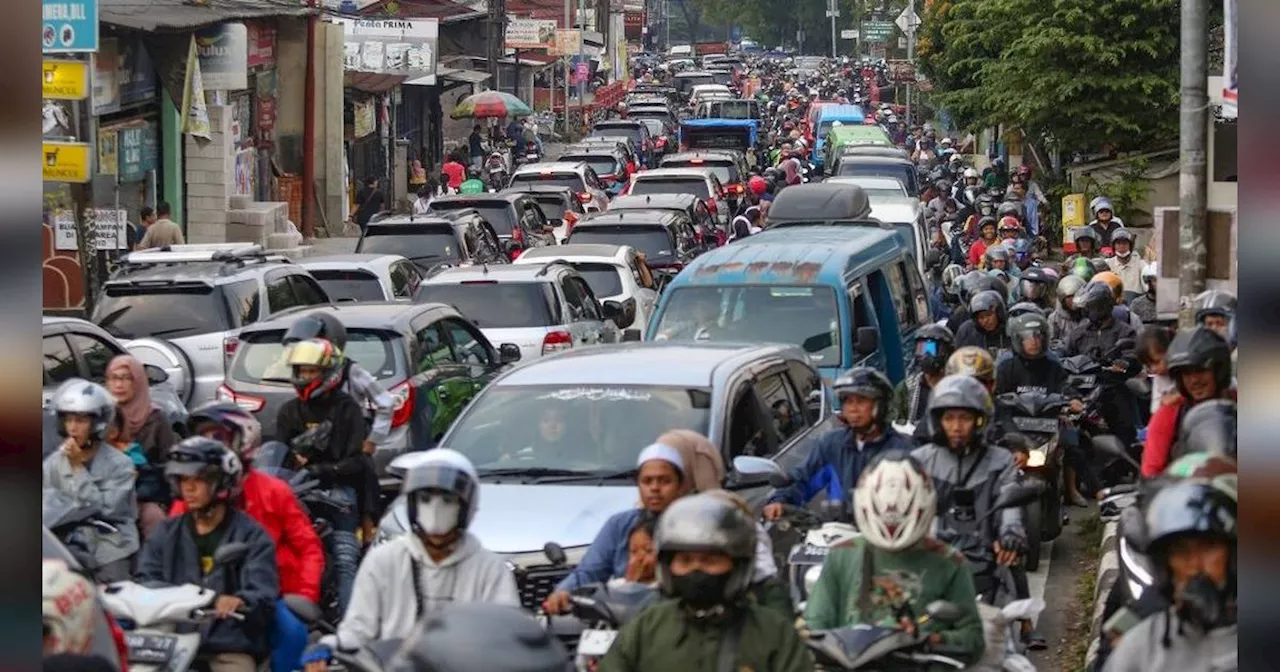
(514, 216)
(433, 242)
(665, 238)
(559, 204)
(638, 132)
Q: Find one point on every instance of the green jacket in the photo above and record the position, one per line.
(930, 571)
(663, 638)
(898, 410)
(774, 594)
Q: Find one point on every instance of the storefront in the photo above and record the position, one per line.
(126, 105)
(238, 63)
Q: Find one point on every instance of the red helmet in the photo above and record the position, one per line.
(1024, 169)
(758, 185)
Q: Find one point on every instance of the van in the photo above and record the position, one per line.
(842, 136)
(847, 115)
(849, 296)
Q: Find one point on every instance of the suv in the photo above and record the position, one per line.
(514, 217)
(610, 164)
(453, 238)
(665, 238)
(542, 308)
(573, 174)
(701, 182)
(559, 205)
(358, 278)
(703, 221)
(188, 303)
(633, 129)
(729, 166)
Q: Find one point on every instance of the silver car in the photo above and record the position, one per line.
(354, 278)
(614, 272)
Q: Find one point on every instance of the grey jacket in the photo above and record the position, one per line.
(369, 393)
(103, 489)
(1061, 323)
(1189, 650)
(994, 469)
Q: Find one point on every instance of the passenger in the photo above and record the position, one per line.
(146, 425)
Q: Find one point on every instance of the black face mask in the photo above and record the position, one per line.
(701, 590)
(1203, 604)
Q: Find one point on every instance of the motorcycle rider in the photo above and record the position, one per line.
(1099, 337)
(987, 328)
(889, 575)
(1144, 305)
(1122, 312)
(1125, 263)
(706, 554)
(986, 238)
(1065, 317)
(1104, 223)
(865, 396)
(181, 550)
(1037, 286)
(1215, 309)
(1191, 531)
(439, 562)
(1199, 361)
(474, 636)
(85, 479)
(271, 502)
(934, 344)
(1032, 367)
(1086, 240)
(323, 411)
(969, 474)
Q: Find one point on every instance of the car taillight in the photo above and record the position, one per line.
(117, 637)
(711, 205)
(246, 401)
(404, 396)
(584, 198)
(229, 345)
(556, 341)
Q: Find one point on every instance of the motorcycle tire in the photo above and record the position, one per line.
(1033, 515)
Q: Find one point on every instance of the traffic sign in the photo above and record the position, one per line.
(877, 31)
(66, 162)
(849, 34)
(69, 26)
(833, 14)
(907, 20)
(65, 80)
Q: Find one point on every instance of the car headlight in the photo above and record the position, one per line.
(811, 576)
(1037, 458)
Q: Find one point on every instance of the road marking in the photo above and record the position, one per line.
(1037, 580)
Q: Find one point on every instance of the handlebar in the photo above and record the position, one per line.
(210, 614)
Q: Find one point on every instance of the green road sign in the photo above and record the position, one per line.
(877, 31)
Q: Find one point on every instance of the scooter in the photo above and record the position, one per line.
(870, 646)
(1038, 416)
(65, 519)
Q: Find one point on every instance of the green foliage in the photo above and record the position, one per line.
(1125, 190)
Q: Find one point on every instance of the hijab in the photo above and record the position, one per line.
(703, 465)
(139, 408)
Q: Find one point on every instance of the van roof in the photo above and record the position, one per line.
(793, 255)
(841, 112)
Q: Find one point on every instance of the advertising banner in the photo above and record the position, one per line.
(69, 26)
(224, 56)
(530, 34)
(391, 46)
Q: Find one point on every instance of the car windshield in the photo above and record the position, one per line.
(491, 304)
(671, 185)
(587, 428)
(553, 207)
(260, 358)
(427, 245)
(804, 315)
(604, 130)
(131, 311)
(654, 124)
(603, 165)
(898, 170)
(878, 192)
(499, 214)
(603, 279)
(654, 242)
(731, 109)
(725, 173)
(571, 180)
(349, 284)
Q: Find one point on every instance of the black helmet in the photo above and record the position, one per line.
(1121, 234)
(1214, 302)
(864, 381)
(986, 300)
(1095, 301)
(469, 636)
(985, 221)
(711, 524)
(1200, 348)
(1084, 232)
(1009, 209)
(977, 281)
(321, 324)
(1026, 326)
(933, 358)
(1200, 507)
(207, 459)
(1036, 285)
(1209, 427)
(959, 391)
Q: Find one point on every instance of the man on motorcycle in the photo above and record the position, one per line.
(865, 396)
(1065, 317)
(1036, 285)
(328, 427)
(1144, 305)
(969, 474)
(1125, 264)
(1199, 361)
(438, 562)
(86, 480)
(986, 329)
(1100, 337)
(271, 502)
(1032, 367)
(181, 550)
(888, 576)
(706, 556)
(1104, 223)
(934, 344)
(1086, 240)
(987, 237)
(1215, 309)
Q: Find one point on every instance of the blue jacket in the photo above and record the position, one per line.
(607, 555)
(835, 463)
(169, 557)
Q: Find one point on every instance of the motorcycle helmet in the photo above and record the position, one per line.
(442, 492)
(951, 279)
(1099, 265)
(1199, 348)
(895, 501)
(964, 392)
(1113, 281)
(68, 609)
(970, 173)
(986, 222)
(208, 460)
(709, 524)
(322, 324)
(1085, 233)
(1099, 204)
(1209, 427)
(1067, 289)
(988, 300)
(997, 253)
(1214, 302)
(864, 381)
(1194, 507)
(1025, 308)
(1035, 285)
(1122, 234)
(1095, 301)
(757, 185)
(1012, 211)
(980, 282)
(320, 353)
(471, 636)
(235, 427)
(934, 344)
(1028, 327)
(81, 397)
(973, 362)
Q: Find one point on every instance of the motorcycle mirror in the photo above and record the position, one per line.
(555, 553)
(941, 610)
(230, 553)
(1112, 447)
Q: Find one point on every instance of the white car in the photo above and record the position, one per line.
(356, 278)
(573, 174)
(905, 213)
(701, 182)
(888, 189)
(614, 272)
(702, 92)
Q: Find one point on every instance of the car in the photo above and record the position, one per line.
(429, 356)
(432, 242)
(514, 216)
(76, 348)
(542, 308)
(701, 182)
(181, 307)
(559, 204)
(666, 239)
(764, 400)
(684, 82)
(632, 128)
(905, 213)
(614, 273)
(729, 166)
(704, 223)
(352, 278)
(874, 186)
(622, 143)
(882, 166)
(705, 92)
(723, 76)
(609, 163)
(739, 108)
(576, 175)
(663, 132)
(108, 639)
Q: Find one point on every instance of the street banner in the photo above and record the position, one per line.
(224, 56)
(529, 34)
(1230, 49)
(391, 46)
(195, 114)
(69, 26)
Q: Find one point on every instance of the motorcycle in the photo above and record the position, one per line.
(871, 646)
(1091, 380)
(1037, 415)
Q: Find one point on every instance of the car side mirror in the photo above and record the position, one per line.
(616, 313)
(866, 341)
(155, 374)
(815, 403)
(508, 353)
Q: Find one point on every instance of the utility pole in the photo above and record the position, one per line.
(911, 53)
(833, 12)
(1193, 178)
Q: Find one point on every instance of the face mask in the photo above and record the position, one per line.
(701, 590)
(436, 517)
(1202, 603)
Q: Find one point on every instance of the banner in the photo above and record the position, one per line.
(224, 56)
(1230, 48)
(530, 34)
(391, 46)
(138, 151)
(111, 227)
(568, 43)
(195, 115)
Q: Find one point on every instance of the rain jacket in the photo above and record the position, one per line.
(662, 638)
(996, 342)
(834, 463)
(102, 489)
(988, 469)
(170, 557)
(1188, 649)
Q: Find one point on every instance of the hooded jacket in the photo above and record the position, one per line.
(838, 454)
(101, 489)
(1187, 649)
(385, 603)
(988, 469)
(996, 342)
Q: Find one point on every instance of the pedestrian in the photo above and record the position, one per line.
(161, 232)
(454, 171)
(426, 194)
(369, 202)
(135, 232)
(476, 143)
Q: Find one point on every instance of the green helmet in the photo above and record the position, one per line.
(1082, 269)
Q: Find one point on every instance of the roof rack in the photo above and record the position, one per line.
(192, 253)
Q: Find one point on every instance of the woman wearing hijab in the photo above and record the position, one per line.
(144, 424)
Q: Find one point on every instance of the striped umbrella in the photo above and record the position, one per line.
(490, 104)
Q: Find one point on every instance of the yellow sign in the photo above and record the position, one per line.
(65, 80)
(1073, 217)
(66, 161)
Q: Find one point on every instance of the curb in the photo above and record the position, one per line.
(1108, 571)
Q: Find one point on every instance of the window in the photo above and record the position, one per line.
(59, 363)
(498, 305)
(902, 302)
(308, 291)
(433, 348)
(350, 284)
(280, 294)
(746, 430)
(399, 281)
(589, 303)
(861, 314)
(918, 291)
(243, 299)
(574, 297)
(807, 382)
(781, 405)
(467, 348)
(129, 311)
(96, 354)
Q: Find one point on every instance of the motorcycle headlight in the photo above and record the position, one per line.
(1037, 458)
(811, 578)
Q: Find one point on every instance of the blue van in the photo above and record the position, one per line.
(845, 114)
(849, 295)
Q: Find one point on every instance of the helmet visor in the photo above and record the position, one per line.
(928, 347)
(1032, 291)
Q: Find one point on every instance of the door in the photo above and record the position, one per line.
(442, 386)
(473, 352)
(308, 291)
(887, 314)
(912, 309)
(863, 315)
(96, 354)
(609, 330)
(280, 292)
(404, 280)
(646, 297)
(766, 418)
(581, 319)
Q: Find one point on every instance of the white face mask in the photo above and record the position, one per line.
(435, 516)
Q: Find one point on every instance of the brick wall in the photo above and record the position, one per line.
(210, 177)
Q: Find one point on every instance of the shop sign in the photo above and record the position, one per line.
(224, 56)
(110, 226)
(139, 152)
(65, 80)
(66, 161)
(391, 46)
(262, 44)
(568, 43)
(530, 34)
(69, 26)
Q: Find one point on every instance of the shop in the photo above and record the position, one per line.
(238, 64)
(126, 106)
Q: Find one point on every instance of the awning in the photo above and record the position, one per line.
(177, 15)
(371, 82)
(468, 76)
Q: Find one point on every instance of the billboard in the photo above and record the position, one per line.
(390, 46)
(530, 34)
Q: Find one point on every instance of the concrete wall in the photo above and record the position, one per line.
(330, 168)
(291, 71)
(209, 176)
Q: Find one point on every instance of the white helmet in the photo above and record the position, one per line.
(894, 503)
(1150, 270)
(81, 397)
(68, 602)
(445, 471)
(970, 172)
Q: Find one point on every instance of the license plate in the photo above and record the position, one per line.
(596, 642)
(150, 649)
(808, 554)
(1039, 425)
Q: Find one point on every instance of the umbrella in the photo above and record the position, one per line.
(490, 104)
